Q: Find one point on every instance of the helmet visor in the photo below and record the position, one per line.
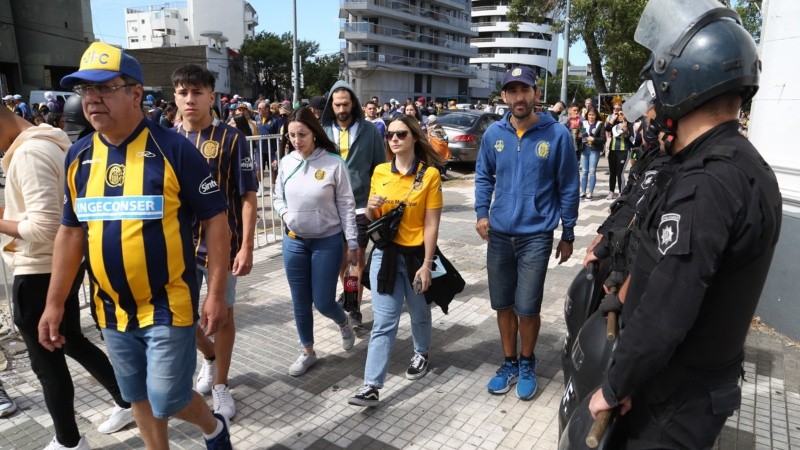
(664, 21)
(638, 104)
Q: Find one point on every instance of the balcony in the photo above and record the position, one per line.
(403, 63)
(398, 36)
(459, 22)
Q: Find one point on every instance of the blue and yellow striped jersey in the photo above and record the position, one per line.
(136, 202)
(226, 151)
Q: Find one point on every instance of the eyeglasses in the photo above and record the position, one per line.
(617, 109)
(300, 136)
(400, 135)
(101, 90)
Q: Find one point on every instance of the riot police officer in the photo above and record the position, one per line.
(706, 242)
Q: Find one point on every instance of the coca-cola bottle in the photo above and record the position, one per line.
(351, 289)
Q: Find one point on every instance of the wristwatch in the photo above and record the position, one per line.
(568, 241)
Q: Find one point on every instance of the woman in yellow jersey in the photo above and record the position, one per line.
(402, 269)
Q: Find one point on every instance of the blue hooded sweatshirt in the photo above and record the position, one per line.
(534, 179)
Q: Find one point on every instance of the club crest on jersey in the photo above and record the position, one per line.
(499, 145)
(320, 174)
(543, 149)
(210, 149)
(115, 175)
(247, 163)
(209, 185)
(667, 233)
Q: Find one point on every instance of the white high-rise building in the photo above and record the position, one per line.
(195, 22)
(534, 45)
(407, 48)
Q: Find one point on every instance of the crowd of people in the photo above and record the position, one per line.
(159, 210)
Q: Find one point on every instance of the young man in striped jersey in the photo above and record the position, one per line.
(227, 154)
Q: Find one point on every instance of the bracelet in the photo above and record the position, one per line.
(429, 270)
(431, 260)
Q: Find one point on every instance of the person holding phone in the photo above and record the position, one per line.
(401, 270)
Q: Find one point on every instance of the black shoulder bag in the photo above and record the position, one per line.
(384, 230)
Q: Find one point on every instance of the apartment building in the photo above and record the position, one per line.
(535, 45)
(408, 48)
(195, 22)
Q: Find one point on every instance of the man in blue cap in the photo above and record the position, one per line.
(134, 188)
(527, 160)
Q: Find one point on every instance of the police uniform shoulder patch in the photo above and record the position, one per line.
(648, 179)
(319, 174)
(210, 149)
(543, 149)
(667, 234)
(115, 175)
(499, 145)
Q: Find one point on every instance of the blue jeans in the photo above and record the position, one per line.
(589, 168)
(386, 310)
(517, 266)
(312, 269)
(154, 363)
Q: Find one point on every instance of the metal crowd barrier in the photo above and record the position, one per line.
(269, 229)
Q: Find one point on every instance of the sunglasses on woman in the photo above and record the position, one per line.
(400, 135)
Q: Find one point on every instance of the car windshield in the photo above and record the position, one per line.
(459, 120)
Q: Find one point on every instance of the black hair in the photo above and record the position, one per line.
(193, 75)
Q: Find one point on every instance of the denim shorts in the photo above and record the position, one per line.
(230, 285)
(517, 266)
(154, 363)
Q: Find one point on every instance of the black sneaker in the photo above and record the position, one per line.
(418, 367)
(366, 396)
(355, 319)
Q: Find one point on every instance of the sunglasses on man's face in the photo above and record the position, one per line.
(400, 135)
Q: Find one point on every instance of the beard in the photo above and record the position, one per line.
(343, 117)
(524, 113)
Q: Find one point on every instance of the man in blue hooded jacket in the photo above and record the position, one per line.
(527, 160)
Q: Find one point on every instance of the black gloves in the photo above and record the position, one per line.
(610, 303)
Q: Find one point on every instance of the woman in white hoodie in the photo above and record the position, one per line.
(315, 201)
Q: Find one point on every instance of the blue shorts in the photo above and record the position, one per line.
(230, 285)
(154, 363)
(517, 266)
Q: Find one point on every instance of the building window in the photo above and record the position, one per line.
(142, 21)
(134, 40)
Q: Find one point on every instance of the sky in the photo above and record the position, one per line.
(317, 20)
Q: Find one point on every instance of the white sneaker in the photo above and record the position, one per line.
(303, 363)
(119, 419)
(260, 191)
(205, 380)
(55, 445)
(223, 402)
(7, 406)
(348, 335)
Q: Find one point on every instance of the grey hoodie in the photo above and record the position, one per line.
(34, 166)
(367, 149)
(313, 196)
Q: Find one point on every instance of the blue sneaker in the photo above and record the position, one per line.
(223, 440)
(506, 376)
(526, 387)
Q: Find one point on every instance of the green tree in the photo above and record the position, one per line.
(750, 11)
(606, 28)
(271, 56)
(320, 73)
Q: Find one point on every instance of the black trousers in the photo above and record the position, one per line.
(616, 164)
(675, 410)
(29, 294)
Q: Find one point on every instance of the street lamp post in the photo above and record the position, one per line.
(295, 58)
(565, 65)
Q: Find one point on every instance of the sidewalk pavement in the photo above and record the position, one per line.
(448, 409)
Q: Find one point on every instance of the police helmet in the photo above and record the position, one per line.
(75, 123)
(699, 51)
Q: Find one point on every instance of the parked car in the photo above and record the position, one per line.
(465, 130)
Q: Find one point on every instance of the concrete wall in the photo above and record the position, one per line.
(778, 98)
